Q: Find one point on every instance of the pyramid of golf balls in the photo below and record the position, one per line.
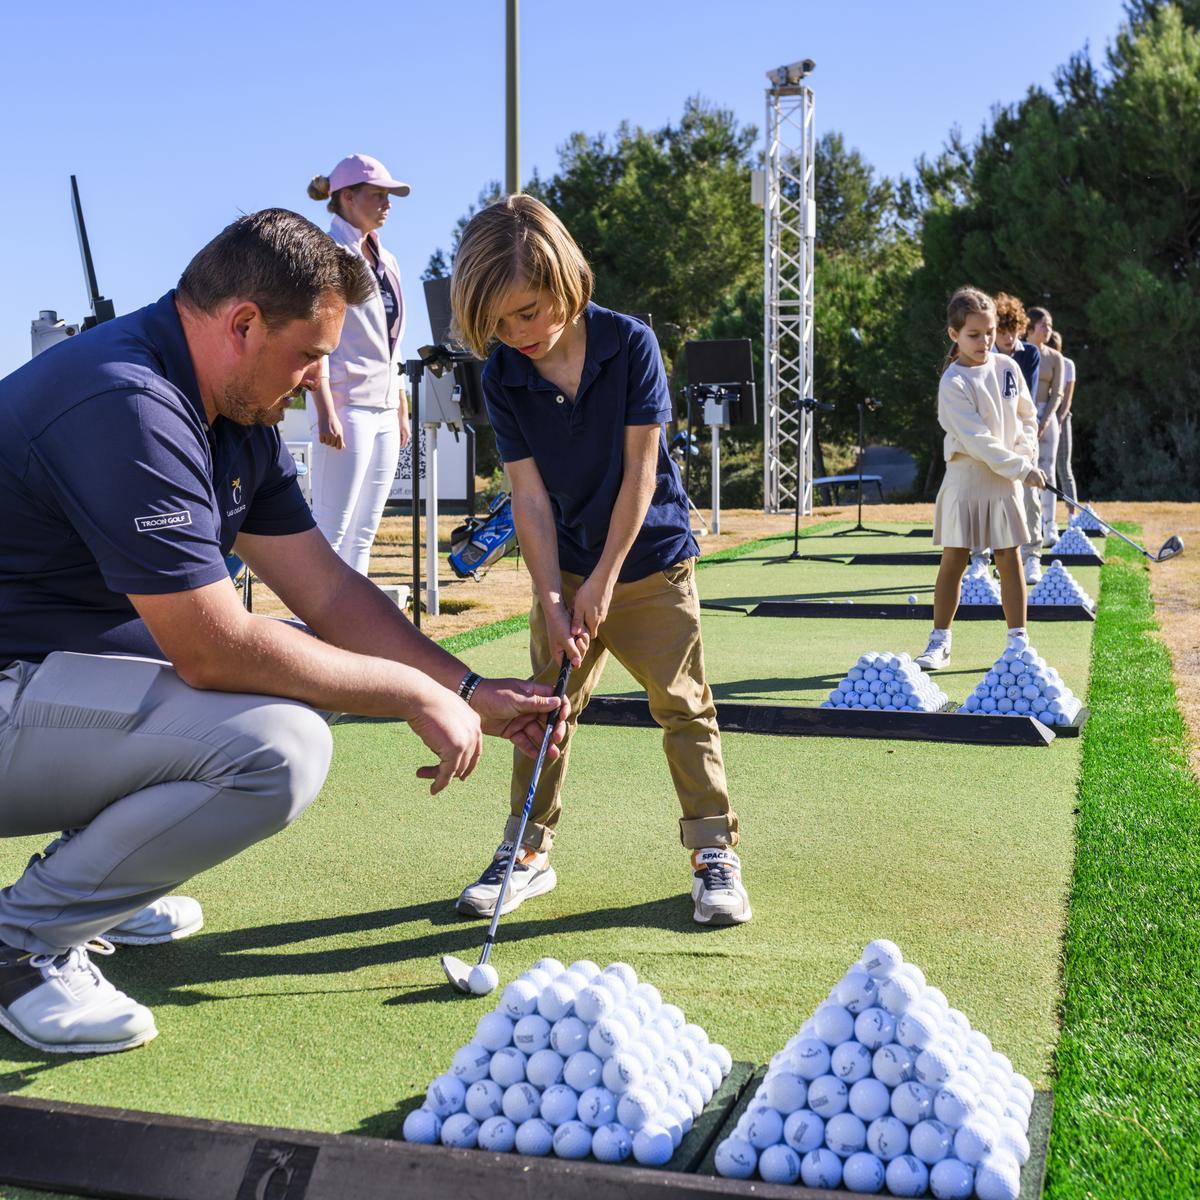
(1020, 684)
(1085, 521)
(1075, 541)
(575, 1061)
(1059, 586)
(978, 587)
(886, 1087)
(887, 682)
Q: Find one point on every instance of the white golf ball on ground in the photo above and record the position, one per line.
(471, 1062)
(779, 1164)
(423, 1127)
(497, 1134)
(907, 1176)
(887, 1138)
(485, 1098)
(997, 1177)
(612, 1143)
(460, 1131)
(508, 1066)
(869, 1099)
(786, 1093)
(531, 1034)
(582, 1070)
(821, 1169)
(652, 1146)
(494, 1031)
(534, 1137)
(764, 1128)
(519, 998)
(559, 1104)
(931, 1141)
(445, 1096)
(636, 1107)
(483, 979)
(572, 1139)
(521, 1102)
(882, 958)
(864, 1173)
(736, 1158)
(845, 1134)
(804, 1131)
(544, 1068)
(893, 1064)
(912, 599)
(951, 1179)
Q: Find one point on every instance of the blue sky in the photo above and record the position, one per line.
(176, 116)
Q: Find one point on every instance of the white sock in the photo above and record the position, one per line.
(939, 637)
(1018, 632)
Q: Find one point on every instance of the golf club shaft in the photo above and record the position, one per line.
(1084, 508)
(560, 688)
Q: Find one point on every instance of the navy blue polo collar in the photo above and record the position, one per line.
(165, 334)
(603, 342)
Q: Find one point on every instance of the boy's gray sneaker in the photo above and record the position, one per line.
(718, 895)
(532, 876)
(61, 1004)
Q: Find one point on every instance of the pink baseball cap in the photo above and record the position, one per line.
(362, 168)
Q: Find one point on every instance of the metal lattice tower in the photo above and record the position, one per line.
(788, 230)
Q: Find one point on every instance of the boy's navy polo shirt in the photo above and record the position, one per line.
(112, 483)
(579, 445)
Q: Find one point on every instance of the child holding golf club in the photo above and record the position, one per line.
(577, 398)
(991, 449)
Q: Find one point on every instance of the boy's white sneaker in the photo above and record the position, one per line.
(936, 655)
(532, 876)
(61, 1004)
(1033, 569)
(165, 920)
(718, 895)
(1049, 536)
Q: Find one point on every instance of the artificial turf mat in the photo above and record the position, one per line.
(314, 998)
(1128, 1059)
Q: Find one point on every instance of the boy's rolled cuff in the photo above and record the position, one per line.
(538, 838)
(698, 833)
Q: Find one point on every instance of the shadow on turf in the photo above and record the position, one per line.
(175, 974)
(906, 590)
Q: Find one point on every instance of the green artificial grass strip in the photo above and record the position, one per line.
(1128, 1060)
(9, 1192)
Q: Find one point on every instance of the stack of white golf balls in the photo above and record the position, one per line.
(1075, 541)
(575, 1061)
(886, 1087)
(978, 587)
(1086, 522)
(887, 682)
(1059, 586)
(1020, 684)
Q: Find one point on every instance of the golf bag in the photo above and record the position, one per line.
(481, 541)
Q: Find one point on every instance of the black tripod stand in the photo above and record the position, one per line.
(809, 405)
(868, 405)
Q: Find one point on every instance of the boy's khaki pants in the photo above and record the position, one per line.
(653, 630)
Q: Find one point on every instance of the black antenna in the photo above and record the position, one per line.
(102, 309)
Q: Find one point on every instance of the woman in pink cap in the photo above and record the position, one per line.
(360, 415)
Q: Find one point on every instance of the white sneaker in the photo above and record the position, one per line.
(936, 655)
(168, 919)
(978, 565)
(61, 1003)
(532, 876)
(718, 896)
(1049, 536)
(1033, 569)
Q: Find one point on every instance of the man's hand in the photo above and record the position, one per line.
(566, 637)
(452, 731)
(331, 431)
(591, 606)
(518, 710)
(1035, 479)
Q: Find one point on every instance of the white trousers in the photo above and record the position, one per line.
(350, 486)
(1047, 464)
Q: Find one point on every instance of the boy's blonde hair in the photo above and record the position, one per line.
(515, 242)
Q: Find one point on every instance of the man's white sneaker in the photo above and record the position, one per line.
(166, 920)
(936, 655)
(1033, 569)
(718, 897)
(532, 876)
(61, 1003)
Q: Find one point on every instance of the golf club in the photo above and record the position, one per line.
(457, 971)
(1170, 548)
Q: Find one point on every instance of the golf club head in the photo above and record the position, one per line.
(1171, 547)
(457, 972)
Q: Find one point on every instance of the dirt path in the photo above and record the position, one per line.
(467, 604)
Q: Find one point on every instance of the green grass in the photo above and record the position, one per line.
(1128, 1059)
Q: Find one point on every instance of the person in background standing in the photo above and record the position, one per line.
(1066, 473)
(360, 411)
(1047, 399)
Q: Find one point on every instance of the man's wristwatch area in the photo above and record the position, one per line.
(470, 682)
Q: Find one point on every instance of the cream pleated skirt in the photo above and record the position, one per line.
(978, 508)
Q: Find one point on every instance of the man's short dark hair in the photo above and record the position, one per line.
(278, 260)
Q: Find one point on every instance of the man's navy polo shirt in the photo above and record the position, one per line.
(112, 483)
(578, 445)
